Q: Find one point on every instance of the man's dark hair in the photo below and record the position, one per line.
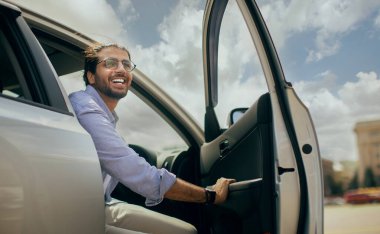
(91, 58)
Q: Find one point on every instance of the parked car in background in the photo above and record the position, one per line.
(50, 174)
(362, 195)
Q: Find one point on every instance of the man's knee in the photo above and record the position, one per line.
(134, 217)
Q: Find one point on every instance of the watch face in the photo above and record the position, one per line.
(210, 196)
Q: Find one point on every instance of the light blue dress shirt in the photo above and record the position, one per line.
(119, 162)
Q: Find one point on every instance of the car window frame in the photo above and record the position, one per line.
(37, 72)
(14, 63)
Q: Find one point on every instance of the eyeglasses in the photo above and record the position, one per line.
(113, 63)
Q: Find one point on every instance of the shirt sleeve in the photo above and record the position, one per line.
(120, 161)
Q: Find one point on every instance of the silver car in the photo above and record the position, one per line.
(50, 173)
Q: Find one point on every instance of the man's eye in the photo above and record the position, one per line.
(111, 63)
(127, 64)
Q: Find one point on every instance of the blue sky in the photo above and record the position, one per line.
(329, 50)
(357, 51)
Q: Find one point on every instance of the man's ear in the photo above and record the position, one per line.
(90, 77)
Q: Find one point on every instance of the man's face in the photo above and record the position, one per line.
(111, 82)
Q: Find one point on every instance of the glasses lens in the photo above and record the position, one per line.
(127, 65)
(111, 63)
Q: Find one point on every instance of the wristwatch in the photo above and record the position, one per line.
(210, 196)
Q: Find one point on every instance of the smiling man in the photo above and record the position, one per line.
(107, 74)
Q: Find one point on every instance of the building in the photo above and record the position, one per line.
(368, 140)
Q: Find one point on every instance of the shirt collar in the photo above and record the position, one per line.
(93, 93)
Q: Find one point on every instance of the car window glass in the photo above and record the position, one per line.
(240, 76)
(11, 80)
(138, 123)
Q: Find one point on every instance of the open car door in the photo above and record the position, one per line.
(272, 149)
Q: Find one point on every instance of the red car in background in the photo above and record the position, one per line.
(362, 195)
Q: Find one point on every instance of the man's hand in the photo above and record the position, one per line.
(221, 189)
(185, 191)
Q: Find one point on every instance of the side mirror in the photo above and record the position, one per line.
(235, 115)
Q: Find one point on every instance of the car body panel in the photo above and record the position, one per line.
(44, 155)
(50, 169)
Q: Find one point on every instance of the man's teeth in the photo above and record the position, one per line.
(118, 81)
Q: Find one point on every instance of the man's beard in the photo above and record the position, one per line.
(114, 95)
(106, 90)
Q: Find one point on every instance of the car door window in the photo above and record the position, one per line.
(27, 75)
(240, 77)
(12, 80)
(138, 123)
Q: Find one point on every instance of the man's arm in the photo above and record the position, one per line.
(184, 191)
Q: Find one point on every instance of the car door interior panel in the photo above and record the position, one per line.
(249, 160)
(243, 191)
(258, 114)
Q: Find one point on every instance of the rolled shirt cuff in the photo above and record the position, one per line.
(167, 179)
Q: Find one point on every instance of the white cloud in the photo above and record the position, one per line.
(175, 62)
(330, 19)
(335, 116)
(363, 96)
(325, 46)
(377, 20)
(95, 18)
(126, 10)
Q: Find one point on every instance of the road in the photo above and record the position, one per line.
(352, 219)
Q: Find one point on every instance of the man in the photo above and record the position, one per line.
(107, 74)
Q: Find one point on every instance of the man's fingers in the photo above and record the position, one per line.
(226, 180)
(231, 181)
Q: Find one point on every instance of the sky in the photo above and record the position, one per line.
(329, 50)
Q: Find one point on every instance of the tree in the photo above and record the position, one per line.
(336, 188)
(369, 178)
(354, 183)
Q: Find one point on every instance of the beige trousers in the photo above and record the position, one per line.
(122, 217)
